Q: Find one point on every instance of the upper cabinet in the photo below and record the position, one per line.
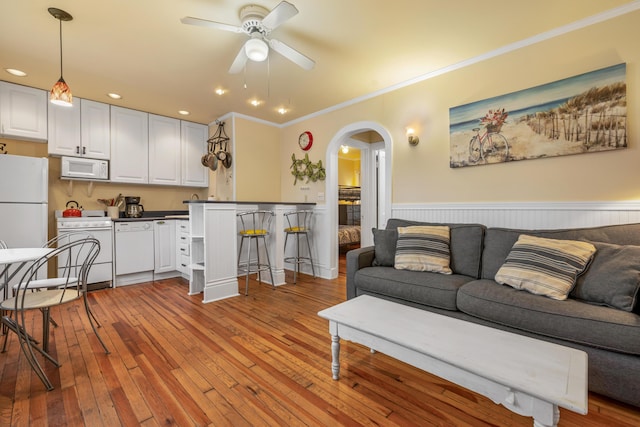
(81, 130)
(194, 146)
(95, 129)
(64, 129)
(129, 146)
(23, 112)
(164, 150)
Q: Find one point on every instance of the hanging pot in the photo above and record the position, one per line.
(212, 161)
(225, 158)
(72, 211)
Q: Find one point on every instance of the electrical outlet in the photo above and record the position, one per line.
(320, 196)
(305, 188)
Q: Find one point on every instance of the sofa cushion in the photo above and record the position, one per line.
(432, 289)
(498, 241)
(384, 242)
(543, 266)
(613, 278)
(569, 320)
(423, 248)
(465, 244)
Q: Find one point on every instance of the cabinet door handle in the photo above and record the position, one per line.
(77, 149)
(84, 150)
(183, 238)
(184, 265)
(182, 249)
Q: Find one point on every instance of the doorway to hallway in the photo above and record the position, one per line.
(374, 143)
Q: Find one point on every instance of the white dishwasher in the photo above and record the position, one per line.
(134, 247)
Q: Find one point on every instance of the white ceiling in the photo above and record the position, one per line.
(141, 50)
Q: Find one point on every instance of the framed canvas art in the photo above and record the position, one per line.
(581, 114)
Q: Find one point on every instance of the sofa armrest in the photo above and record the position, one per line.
(357, 259)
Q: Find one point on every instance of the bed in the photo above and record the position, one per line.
(349, 217)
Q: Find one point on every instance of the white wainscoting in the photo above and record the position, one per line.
(525, 215)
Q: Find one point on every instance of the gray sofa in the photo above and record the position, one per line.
(587, 320)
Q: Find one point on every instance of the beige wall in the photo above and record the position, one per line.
(421, 174)
(348, 170)
(257, 157)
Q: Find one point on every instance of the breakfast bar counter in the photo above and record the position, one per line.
(213, 231)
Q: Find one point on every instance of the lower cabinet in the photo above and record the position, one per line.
(168, 241)
(183, 247)
(164, 233)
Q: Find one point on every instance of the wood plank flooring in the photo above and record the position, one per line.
(260, 360)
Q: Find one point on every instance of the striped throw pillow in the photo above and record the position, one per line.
(423, 248)
(546, 267)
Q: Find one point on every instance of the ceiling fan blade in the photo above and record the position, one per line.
(292, 55)
(204, 23)
(279, 14)
(239, 62)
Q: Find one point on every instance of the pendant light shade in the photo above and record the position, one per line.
(61, 93)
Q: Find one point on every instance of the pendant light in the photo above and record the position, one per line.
(61, 93)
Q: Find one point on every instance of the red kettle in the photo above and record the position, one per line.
(71, 210)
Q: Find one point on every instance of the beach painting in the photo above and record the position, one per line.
(581, 114)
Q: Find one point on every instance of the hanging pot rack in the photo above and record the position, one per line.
(217, 149)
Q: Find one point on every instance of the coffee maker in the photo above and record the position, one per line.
(133, 208)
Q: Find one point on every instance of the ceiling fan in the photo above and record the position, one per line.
(257, 23)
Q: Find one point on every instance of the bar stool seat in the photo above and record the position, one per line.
(299, 224)
(254, 227)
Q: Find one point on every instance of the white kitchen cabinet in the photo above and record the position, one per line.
(194, 146)
(95, 129)
(23, 112)
(164, 233)
(183, 247)
(81, 130)
(64, 129)
(164, 150)
(129, 146)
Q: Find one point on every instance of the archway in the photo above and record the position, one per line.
(368, 178)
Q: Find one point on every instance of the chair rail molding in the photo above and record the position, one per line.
(526, 215)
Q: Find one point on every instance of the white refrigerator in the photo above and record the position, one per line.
(24, 195)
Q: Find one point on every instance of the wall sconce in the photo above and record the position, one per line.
(413, 139)
(344, 149)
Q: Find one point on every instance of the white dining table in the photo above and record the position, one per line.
(21, 256)
(12, 256)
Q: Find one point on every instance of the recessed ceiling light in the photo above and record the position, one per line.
(282, 110)
(15, 72)
(255, 102)
(183, 112)
(114, 96)
(220, 91)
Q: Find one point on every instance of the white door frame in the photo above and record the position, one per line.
(367, 179)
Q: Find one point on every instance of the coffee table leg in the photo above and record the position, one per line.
(335, 354)
(555, 417)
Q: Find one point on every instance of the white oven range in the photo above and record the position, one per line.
(100, 227)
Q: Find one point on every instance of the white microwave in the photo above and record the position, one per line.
(83, 168)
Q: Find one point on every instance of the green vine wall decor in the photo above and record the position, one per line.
(305, 168)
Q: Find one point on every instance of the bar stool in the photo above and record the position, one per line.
(299, 224)
(254, 226)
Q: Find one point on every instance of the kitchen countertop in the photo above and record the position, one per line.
(156, 215)
(235, 202)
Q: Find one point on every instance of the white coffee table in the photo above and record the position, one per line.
(528, 376)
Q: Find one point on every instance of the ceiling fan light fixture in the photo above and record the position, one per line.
(256, 49)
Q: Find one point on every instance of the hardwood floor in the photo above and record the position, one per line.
(260, 360)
